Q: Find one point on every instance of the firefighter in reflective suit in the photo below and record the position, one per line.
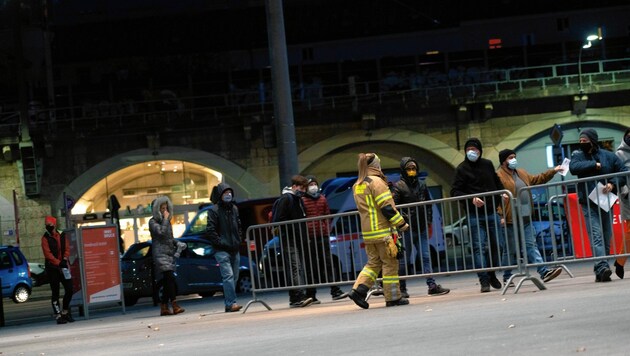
(379, 218)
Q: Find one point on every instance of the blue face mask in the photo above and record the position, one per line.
(512, 163)
(472, 156)
(227, 198)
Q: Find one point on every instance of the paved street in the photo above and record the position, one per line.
(573, 316)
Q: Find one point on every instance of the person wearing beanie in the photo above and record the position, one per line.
(623, 152)
(476, 175)
(56, 248)
(591, 161)
(319, 261)
(411, 189)
(514, 178)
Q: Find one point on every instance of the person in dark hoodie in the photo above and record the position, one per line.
(591, 161)
(473, 176)
(319, 259)
(225, 234)
(164, 251)
(293, 237)
(623, 152)
(410, 189)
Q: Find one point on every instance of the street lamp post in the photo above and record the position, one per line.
(588, 44)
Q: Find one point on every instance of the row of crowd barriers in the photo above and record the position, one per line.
(556, 217)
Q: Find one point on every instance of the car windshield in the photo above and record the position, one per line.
(137, 251)
(199, 225)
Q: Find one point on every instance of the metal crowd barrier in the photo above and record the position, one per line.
(337, 259)
(562, 235)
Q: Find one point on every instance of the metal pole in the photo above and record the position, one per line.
(282, 106)
(580, 70)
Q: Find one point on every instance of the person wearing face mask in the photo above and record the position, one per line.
(411, 189)
(293, 237)
(591, 161)
(225, 234)
(623, 152)
(477, 175)
(319, 259)
(56, 250)
(513, 179)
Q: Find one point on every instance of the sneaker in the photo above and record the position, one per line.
(358, 299)
(404, 293)
(234, 308)
(68, 317)
(551, 274)
(339, 294)
(485, 286)
(401, 301)
(604, 275)
(302, 303)
(61, 319)
(510, 285)
(619, 270)
(438, 290)
(495, 283)
(315, 301)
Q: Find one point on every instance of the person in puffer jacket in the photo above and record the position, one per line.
(164, 251)
(225, 234)
(319, 262)
(379, 220)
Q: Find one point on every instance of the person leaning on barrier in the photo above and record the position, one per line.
(379, 217)
(224, 232)
(590, 161)
(290, 207)
(319, 259)
(513, 179)
(477, 175)
(56, 249)
(410, 189)
(623, 152)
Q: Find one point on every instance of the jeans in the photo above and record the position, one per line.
(531, 249)
(229, 264)
(479, 227)
(599, 228)
(421, 243)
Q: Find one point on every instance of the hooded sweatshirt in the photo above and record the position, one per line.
(412, 190)
(623, 152)
(224, 225)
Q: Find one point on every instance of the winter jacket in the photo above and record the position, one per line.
(413, 190)
(224, 225)
(290, 207)
(164, 245)
(507, 179)
(583, 165)
(623, 152)
(316, 206)
(55, 247)
(376, 207)
(474, 178)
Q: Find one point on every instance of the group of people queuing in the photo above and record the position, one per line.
(389, 233)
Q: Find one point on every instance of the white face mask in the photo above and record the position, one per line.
(313, 189)
(512, 163)
(473, 156)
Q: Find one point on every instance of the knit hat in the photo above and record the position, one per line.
(473, 142)
(311, 178)
(591, 134)
(49, 220)
(504, 154)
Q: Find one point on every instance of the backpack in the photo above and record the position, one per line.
(271, 216)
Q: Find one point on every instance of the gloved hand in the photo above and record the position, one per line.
(63, 264)
(392, 249)
(401, 250)
(404, 228)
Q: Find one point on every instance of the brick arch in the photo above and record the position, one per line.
(236, 176)
(443, 158)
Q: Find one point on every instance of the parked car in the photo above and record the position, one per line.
(456, 233)
(15, 274)
(39, 277)
(197, 271)
(542, 228)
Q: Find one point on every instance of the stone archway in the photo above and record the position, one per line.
(234, 175)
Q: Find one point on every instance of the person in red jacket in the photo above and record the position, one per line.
(320, 268)
(56, 250)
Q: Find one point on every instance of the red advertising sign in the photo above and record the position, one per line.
(101, 263)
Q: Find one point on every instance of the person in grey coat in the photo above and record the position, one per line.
(165, 250)
(623, 152)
